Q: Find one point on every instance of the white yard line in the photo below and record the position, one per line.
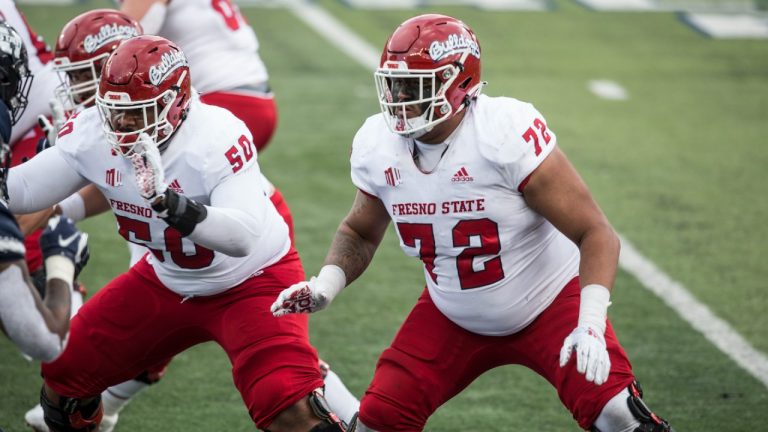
(674, 294)
(697, 314)
(607, 89)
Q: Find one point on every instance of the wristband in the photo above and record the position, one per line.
(73, 207)
(59, 267)
(593, 309)
(333, 277)
(179, 211)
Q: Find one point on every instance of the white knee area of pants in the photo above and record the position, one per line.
(341, 401)
(117, 397)
(362, 428)
(616, 416)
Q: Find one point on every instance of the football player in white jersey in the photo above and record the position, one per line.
(215, 260)
(80, 52)
(518, 258)
(221, 37)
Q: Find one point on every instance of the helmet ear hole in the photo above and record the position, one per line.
(465, 83)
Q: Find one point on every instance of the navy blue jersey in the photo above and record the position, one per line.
(5, 123)
(11, 240)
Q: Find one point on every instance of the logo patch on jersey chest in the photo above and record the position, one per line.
(392, 176)
(462, 176)
(114, 177)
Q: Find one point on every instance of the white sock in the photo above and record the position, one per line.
(341, 401)
(117, 397)
(616, 416)
(75, 302)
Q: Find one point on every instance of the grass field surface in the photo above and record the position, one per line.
(679, 167)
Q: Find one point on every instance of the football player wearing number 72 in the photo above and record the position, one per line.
(175, 171)
(518, 258)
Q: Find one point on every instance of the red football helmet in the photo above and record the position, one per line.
(83, 46)
(144, 88)
(431, 67)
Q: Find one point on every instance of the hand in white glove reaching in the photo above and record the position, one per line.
(591, 354)
(148, 168)
(311, 296)
(51, 128)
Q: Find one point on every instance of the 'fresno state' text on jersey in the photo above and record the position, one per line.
(211, 146)
(491, 263)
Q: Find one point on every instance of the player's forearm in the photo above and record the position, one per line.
(229, 231)
(57, 306)
(150, 13)
(351, 252)
(25, 319)
(30, 222)
(599, 248)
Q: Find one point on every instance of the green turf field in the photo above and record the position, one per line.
(679, 167)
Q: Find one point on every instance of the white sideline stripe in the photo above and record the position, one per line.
(701, 318)
(327, 26)
(697, 314)
(607, 89)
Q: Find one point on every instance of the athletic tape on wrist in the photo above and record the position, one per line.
(59, 267)
(593, 308)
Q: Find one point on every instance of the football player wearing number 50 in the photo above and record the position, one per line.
(82, 48)
(518, 258)
(175, 173)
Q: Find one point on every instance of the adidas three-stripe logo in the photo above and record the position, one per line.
(462, 175)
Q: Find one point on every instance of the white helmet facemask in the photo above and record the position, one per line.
(423, 92)
(73, 95)
(144, 116)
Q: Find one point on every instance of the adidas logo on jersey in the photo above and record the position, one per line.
(176, 187)
(462, 176)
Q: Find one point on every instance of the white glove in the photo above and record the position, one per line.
(311, 296)
(588, 339)
(148, 168)
(51, 129)
(591, 354)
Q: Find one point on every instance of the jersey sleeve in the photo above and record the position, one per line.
(526, 144)
(230, 155)
(360, 158)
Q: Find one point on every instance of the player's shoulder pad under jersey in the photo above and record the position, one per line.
(6, 125)
(369, 138)
(501, 124)
(80, 132)
(215, 142)
(11, 240)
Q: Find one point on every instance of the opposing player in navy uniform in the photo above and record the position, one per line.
(39, 327)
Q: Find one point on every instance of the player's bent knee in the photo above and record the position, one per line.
(383, 415)
(626, 412)
(70, 414)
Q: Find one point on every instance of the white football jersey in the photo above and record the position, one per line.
(194, 164)
(222, 49)
(491, 263)
(45, 79)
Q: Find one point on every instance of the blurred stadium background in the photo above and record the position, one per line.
(665, 118)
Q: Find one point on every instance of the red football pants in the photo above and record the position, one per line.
(432, 359)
